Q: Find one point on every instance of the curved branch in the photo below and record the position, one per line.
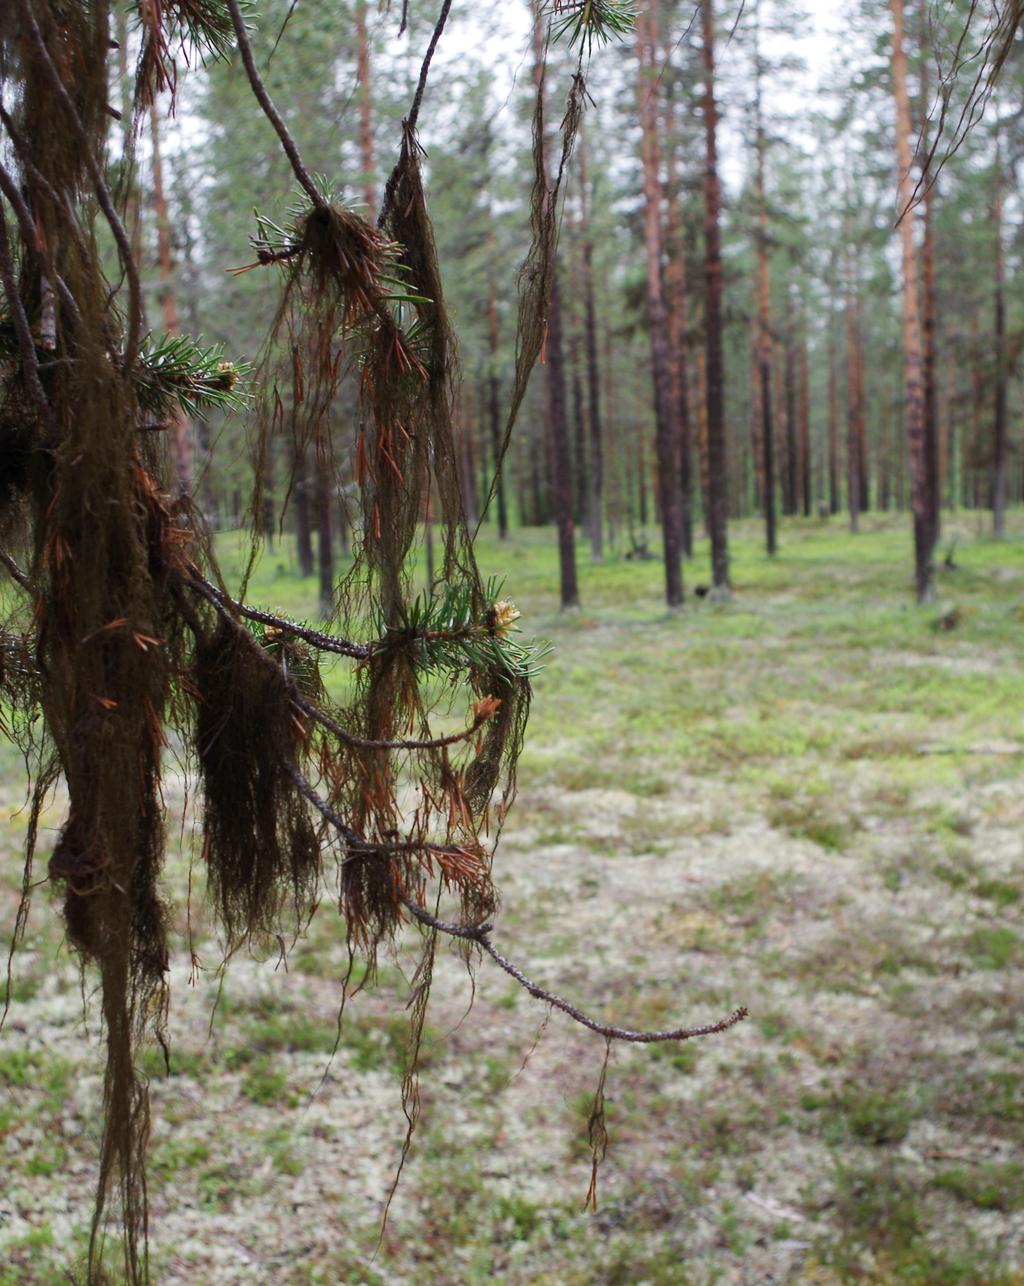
(270, 111)
(481, 935)
(26, 347)
(321, 641)
(102, 191)
(360, 846)
(24, 216)
(15, 571)
(362, 743)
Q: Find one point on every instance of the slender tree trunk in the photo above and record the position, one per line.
(494, 407)
(717, 478)
(179, 424)
(579, 432)
(853, 412)
(882, 474)
(928, 308)
(612, 458)
(560, 464)
(804, 424)
(677, 308)
(999, 445)
(465, 445)
(789, 490)
(669, 498)
(921, 503)
(702, 437)
(641, 479)
(756, 414)
(323, 491)
(596, 472)
(764, 333)
(863, 451)
(950, 457)
(303, 537)
(833, 416)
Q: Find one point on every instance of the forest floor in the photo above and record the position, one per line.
(808, 801)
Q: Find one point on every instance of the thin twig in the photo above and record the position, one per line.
(358, 845)
(409, 124)
(102, 191)
(321, 641)
(28, 231)
(363, 743)
(481, 935)
(26, 347)
(17, 574)
(270, 111)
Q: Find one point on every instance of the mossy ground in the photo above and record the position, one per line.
(808, 801)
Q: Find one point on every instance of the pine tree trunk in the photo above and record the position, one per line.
(853, 413)
(465, 445)
(764, 333)
(789, 490)
(948, 458)
(921, 502)
(325, 551)
(561, 466)
(756, 415)
(303, 536)
(678, 308)
(669, 495)
(717, 478)
(833, 416)
(928, 308)
(884, 452)
(579, 434)
(596, 472)
(559, 458)
(494, 408)
(804, 424)
(863, 452)
(702, 437)
(999, 446)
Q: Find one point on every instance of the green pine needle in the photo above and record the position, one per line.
(588, 21)
(175, 372)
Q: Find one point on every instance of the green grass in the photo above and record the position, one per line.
(807, 800)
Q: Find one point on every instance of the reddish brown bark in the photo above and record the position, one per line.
(921, 502)
(561, 468)
(669, 500)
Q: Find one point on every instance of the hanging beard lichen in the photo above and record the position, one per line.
(124, 635)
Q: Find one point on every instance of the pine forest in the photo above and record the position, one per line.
(512, 642)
